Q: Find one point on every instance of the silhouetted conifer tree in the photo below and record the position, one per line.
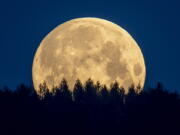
(43, 90)
(115, 93)
(105, 96)
(90, 92)
(97, 87)
(65, 89)
(23, 91)
(122, 96)
(130, 97)
(78, 92)
(138, 88)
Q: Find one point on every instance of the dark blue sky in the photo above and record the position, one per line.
(155, 25)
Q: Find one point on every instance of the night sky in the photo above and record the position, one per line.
(154, 24)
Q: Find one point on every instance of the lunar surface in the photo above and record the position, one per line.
(86, 48)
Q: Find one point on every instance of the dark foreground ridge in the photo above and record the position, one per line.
(89, 110)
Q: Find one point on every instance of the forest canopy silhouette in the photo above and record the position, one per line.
(89, 109)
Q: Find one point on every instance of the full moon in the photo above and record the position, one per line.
(86, 48)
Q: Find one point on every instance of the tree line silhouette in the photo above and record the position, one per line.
(89, 109)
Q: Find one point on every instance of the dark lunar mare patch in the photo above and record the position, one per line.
(111, 51)
(115, 67)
